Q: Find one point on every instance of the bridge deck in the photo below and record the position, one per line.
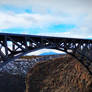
(22, 36)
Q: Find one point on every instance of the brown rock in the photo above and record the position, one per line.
(64, 74)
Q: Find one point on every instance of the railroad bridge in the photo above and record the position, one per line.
(12, 46)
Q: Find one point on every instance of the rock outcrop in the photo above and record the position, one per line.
(64, 74)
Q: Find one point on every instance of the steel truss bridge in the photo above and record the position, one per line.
(12, 46)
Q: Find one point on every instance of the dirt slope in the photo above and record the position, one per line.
(64, 74)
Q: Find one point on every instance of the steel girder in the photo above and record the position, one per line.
(81, 50)
(13, 46)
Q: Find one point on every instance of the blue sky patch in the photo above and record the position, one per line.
(51, 29)
(62, 27)
(15, 9)
(13, 30)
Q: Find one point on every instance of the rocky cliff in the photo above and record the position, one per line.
(64, 74)
(12, 76)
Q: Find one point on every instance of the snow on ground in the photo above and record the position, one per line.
(21, 66)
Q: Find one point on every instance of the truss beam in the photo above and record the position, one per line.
(81, 49)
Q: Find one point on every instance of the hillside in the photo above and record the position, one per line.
(12, 76)
(64, 74)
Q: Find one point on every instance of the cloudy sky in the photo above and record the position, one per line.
(64, 18)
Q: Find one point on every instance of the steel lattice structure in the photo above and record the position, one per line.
(13, 46)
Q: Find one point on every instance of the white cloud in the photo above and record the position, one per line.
(9, 20)
(12, 20)
(74, 33)
(68, 6)
(25, 20)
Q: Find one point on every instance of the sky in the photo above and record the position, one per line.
(63, 18)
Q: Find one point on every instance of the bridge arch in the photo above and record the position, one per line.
(81, 49)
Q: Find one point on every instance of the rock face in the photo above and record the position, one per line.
(64, 74)
(12, 76)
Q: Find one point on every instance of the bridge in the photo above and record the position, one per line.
(13, 46)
